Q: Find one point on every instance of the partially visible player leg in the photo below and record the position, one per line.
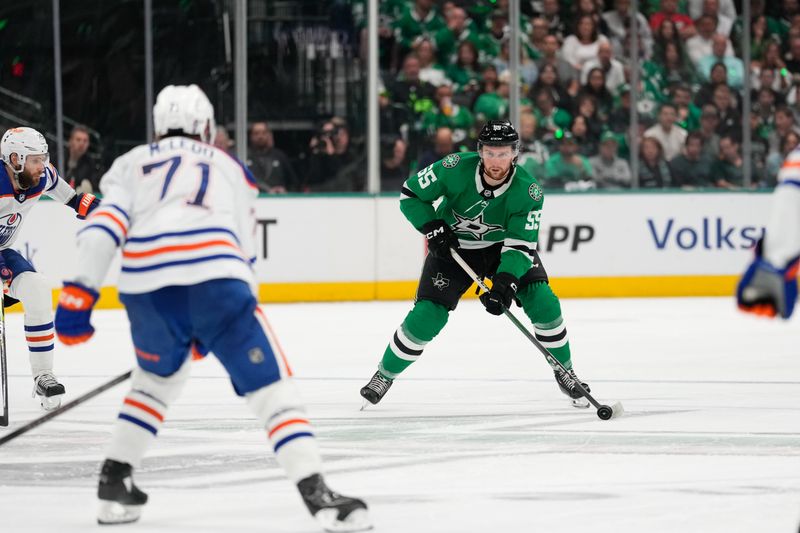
(139, 420)
(161, 333)
(238, 333)
(33, 290)
(420, 326)
(291, 435)
(544, 310)
(441, 286)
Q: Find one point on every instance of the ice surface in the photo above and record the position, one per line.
(474, 437)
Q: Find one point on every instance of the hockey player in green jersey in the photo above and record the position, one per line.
(490, 212)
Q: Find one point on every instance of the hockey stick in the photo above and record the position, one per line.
(3, 366)
(66, 407)
(604, 412)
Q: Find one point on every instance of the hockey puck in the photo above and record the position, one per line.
(605, 412)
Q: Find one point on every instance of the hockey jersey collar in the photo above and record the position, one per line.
(7, 187)
(492, 193)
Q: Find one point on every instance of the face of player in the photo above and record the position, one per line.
(32, 173)
(496, 163)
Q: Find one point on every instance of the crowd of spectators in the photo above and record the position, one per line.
(445, 72)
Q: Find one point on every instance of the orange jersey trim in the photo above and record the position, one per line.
(117, 221)
(176, 248)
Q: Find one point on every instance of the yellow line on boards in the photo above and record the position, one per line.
(595, 287)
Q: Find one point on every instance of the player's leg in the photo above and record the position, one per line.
(237, 332)
(440, 288)
(161, 333)
(544, 310)
(33, 290)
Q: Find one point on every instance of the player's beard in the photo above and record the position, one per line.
(497, 173)
(25, 180)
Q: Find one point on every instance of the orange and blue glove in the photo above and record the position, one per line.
(767, 290)
(74, 313)
(83, 204)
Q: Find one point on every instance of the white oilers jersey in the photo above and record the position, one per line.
(15, 206)
(782, 241)
(182, 213)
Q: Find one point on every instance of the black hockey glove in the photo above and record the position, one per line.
(504, 291)
(440, 238)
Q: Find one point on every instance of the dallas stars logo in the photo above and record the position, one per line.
(450, 161)
(440, 282)
(474, 226)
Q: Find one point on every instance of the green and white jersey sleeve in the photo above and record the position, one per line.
(419, 193)
(522, 233)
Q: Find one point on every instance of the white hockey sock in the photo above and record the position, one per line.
(32, 289)
(142, 413)
(278, 408)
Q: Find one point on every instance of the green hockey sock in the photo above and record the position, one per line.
(543, 308)
(421, 325)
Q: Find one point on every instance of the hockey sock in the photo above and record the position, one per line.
(142, 413)
(278, 408)
(32, 289)
(40, 344)
(543, 308)
(421, 325)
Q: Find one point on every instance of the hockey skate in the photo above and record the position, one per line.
(376, 389)
(48, 389)
(120, 500)
(334, 512)
(567, 382)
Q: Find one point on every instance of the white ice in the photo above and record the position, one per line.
(474, 437)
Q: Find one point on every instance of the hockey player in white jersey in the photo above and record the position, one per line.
(769, 285)
(25, 175)
(182, 212)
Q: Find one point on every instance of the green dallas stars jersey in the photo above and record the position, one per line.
(479, 217)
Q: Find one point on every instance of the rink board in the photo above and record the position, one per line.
(360, 247)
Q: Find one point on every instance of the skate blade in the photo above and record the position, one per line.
(580, 403)
(51, 402)
(116, 513)
(358, 520)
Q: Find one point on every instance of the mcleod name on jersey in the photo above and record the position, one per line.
(479, 216)
(15, 206)
(205, 198)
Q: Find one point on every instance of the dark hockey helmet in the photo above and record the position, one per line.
(499, 133)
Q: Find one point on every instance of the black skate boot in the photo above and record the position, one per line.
(567, 382)
(48, 389)
(376, 389)
(333, 511)
(120, 500)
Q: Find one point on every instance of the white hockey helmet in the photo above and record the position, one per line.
(24, 142)
(185, 108)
